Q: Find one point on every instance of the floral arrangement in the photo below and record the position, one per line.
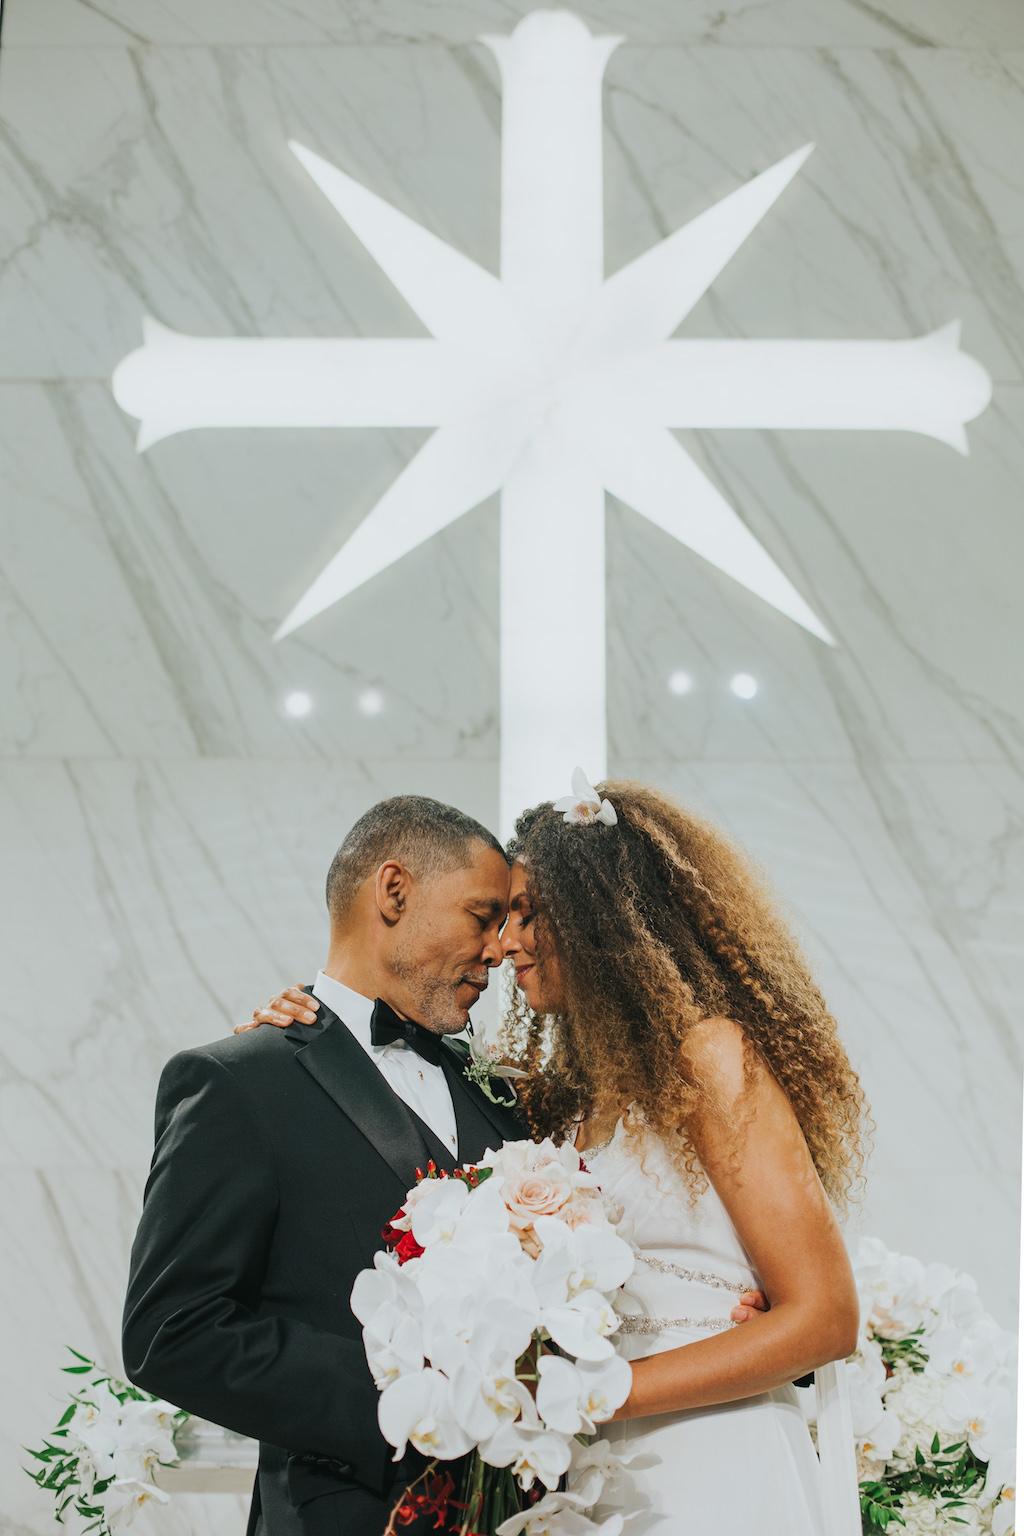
(483, 1064)
(99, 1460)
(932, 1390)
(487, 1270)
(482, 1274)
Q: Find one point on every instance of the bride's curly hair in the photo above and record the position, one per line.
(658, 923)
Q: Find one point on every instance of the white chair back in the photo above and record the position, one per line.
(840, 1496)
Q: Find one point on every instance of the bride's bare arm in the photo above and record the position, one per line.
(755, 1156)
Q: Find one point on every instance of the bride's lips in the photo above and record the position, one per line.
(521, 971)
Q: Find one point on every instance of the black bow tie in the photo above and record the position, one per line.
(386, 1027)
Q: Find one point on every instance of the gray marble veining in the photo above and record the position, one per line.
(729, 23)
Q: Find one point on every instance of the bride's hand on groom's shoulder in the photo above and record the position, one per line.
(284, 1009)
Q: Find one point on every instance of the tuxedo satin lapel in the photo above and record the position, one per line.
(343, 1069)
(506, 1122)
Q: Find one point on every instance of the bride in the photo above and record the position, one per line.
(666, 1013)
(670, 1024)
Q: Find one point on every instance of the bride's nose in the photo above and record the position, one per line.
(510, 944)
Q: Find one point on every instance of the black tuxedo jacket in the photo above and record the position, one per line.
(280, 1155)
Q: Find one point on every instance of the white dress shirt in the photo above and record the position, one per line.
(418, 1083)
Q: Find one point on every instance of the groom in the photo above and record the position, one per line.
(280, 1155)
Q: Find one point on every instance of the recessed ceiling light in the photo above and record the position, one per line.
(680, 682)
(371, 701)
(298, 704)
(743, 685)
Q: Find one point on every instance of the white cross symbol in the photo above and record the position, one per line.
(552, 385)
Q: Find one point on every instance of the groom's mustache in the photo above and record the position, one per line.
(475, 981)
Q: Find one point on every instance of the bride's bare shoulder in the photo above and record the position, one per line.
(714, 1052)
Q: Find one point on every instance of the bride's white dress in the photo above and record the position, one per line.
(746, 1468)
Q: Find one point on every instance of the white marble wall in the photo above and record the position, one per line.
(165, 826)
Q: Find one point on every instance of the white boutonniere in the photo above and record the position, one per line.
(585, 806)
(482, 1065)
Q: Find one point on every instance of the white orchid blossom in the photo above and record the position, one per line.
(543, 1518)
(451, 1275)
(876, 1429)
(1003, 1516)
(583, 1330)
(585, 806)
(419, 1409)
(435, 1216)
(386, 1284)
(1000, 1490)
(558, 1514)
(575, 1396)
(394, 1346)
(978, 1354)
(485, 1398)
(126, 1496)
(534, 1454)
(574, 1261)
(485, 1325)
(983, 1413)
(596, 1472)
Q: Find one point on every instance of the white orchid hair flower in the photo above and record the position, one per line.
(585, 806)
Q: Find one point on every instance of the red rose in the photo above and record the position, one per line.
(407, 1248)
(392, 1234)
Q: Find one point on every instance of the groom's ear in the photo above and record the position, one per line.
(393, 883)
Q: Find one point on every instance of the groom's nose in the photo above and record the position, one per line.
(492, 952)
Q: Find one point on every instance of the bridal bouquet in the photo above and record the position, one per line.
(99, 1460)
(932, 1392)
(484, 1272)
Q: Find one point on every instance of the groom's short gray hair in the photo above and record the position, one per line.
(426, 836)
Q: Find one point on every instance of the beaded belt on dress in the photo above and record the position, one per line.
(701, 1277)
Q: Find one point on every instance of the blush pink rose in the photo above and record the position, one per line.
(537, 1192)
(585, 1209)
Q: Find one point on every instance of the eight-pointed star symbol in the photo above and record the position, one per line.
(551, 385)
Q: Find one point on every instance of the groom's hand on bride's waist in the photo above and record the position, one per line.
(748, 1306)
(291, 1004)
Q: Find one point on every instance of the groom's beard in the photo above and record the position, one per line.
(432, 999)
